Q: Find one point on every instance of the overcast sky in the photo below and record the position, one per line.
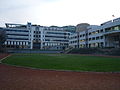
(58, 12)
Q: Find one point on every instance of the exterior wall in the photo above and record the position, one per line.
(73, 40)
(17, 36)
(50, 37)
(82, 27)
(42, 37)
(69, 28)
(36, 37)
(55, 38)
(105, 35)
(112, 33)
(82, 39)
(95, 36)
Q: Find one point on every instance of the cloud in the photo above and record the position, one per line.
(58, 12)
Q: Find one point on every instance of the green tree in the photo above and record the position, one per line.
(2, 39)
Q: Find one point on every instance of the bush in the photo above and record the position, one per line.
(103, 51)
(84, 51)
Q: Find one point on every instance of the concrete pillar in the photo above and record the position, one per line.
(42, 37)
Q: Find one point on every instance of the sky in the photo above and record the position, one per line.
(58, 12)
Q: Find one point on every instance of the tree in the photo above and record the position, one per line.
(2, 39)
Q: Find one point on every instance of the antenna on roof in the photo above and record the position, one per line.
(113, 15)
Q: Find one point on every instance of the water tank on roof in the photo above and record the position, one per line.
(82, 27)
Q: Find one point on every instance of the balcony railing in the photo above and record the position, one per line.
(111, 31)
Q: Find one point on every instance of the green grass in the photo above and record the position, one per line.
(65, 62)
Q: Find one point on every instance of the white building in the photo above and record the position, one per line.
(36, 37)
(42, 37)
(105, 35)
(18, 36)
(95, 36)
(73, 40)
(55, 38)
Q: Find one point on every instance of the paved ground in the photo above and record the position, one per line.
(16, 78)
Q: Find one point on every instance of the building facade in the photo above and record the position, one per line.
(18, 36)
(73, 40)
(36, 37)
(105, 35)
(82, 36)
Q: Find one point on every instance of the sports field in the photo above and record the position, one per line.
(65, 62)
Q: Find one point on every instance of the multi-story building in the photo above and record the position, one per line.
(18, 36)
(42, 37)
(73, 40)
(111, 33)
(105, 35)
(95, 36)
(70, 28)
(55, 38)
(81, 27)
(36, 37)
(79, 38)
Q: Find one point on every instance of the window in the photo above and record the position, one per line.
(97, 38)
(36, 35)
(90, 33)
(89, 39)
(18, 34)
(116, 28)
(101, 30)
(18, 30)
(93, 38)
(86, 39)
(82, 40)
(101, 37)
(98, 31)
(101, 44)
(37, 32)
(108, 29)
(37, 28)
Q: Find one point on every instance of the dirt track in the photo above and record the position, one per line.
(16, 78)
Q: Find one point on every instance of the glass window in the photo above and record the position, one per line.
(89, 39)
(101, 30)
(97, 38)
(93, 38)
(116, 28)
(101, 37)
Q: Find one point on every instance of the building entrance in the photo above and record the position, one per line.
(36, 45)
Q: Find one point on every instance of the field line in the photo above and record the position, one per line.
(4, 58)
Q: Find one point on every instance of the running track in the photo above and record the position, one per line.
(16, 78)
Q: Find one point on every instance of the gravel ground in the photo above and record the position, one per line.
(18, 78)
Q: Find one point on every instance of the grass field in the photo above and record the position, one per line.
(65, 62)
